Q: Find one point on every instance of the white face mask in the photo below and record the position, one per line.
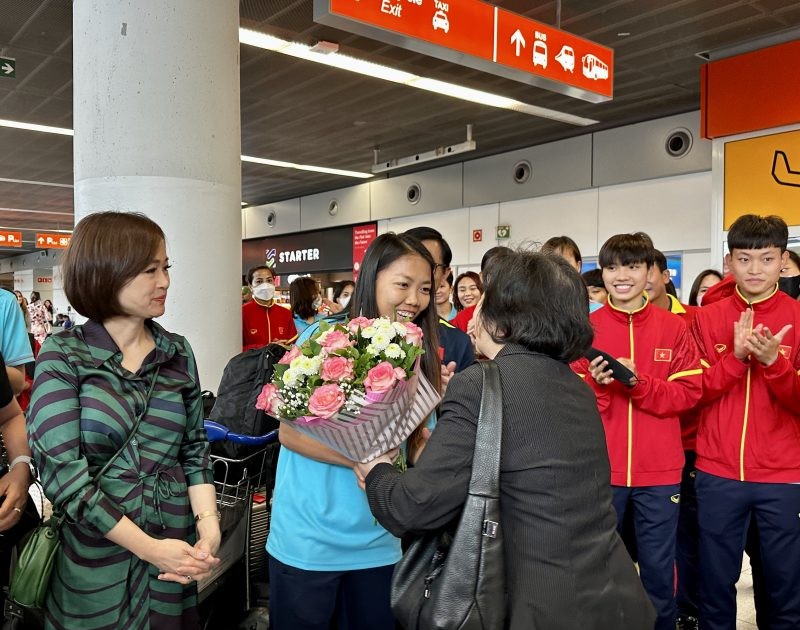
(316, 304)
(264, 291)
(344, 301)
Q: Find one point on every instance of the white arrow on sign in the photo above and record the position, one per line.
(519, 40)
(7, 68)
(41, 240)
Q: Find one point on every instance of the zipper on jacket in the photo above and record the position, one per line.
(630, 407)
(746, 410)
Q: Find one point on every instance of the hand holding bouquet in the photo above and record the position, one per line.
(356, 387)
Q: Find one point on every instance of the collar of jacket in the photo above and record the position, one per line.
(102, 347)
(675, 305)
(640, 313)
(764, 305)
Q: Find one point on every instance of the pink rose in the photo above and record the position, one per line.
(413, 334)
(336, 340)
(400, 373)
(381, 378)
(359, 322)
(326, 400)
(269, 399)
(337, 369)
(287, 358)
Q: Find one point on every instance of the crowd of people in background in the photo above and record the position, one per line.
(647, 443)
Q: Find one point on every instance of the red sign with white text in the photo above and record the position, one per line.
(10, 239)
(491, 37)
(363, 235)
(52, 241)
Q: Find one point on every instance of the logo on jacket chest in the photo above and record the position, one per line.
(786, 351)
(663, 354)
(720, 348)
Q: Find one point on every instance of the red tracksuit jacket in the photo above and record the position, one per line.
(750, 420)
(643, 432)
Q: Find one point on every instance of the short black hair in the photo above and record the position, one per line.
(794, 258)
(492, 253)
(627, 249)
(424, 233)
(751, 231)
(660, 260)
(539, 301)
(558, 244)
(252, 271)
(593, 278)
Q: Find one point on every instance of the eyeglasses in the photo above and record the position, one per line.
(437, 265)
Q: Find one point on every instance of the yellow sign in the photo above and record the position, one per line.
(762, 176)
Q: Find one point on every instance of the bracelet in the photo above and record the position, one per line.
(20, 459)
(206, 514)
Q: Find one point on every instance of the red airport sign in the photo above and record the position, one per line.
(10, 239)
(45, 240)
(482, 36)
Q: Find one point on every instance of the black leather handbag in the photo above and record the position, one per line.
(455, 579)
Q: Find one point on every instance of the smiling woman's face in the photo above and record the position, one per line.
(403, 289)
(468, 292)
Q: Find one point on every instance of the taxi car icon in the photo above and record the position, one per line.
(440, 21)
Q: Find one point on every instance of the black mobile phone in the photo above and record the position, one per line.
(618, 371)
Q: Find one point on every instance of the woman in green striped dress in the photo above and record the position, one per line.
(134, 543)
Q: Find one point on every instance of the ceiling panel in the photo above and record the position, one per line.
(298, 111)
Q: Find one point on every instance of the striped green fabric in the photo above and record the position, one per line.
(83, 406)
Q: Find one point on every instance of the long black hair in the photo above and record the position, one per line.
(382, 252)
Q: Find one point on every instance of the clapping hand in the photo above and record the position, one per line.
(762, 345)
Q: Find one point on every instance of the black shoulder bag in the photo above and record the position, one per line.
(457, 582)
(31, 578)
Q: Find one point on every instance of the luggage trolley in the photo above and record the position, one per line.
(244, 488)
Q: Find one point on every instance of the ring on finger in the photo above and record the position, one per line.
(16, 509)
(188, 577)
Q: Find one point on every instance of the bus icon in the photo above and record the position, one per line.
(539, 53)
(593, 68)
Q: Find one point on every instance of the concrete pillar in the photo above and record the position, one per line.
(156, 107)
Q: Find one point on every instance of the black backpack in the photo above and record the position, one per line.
(235, 406)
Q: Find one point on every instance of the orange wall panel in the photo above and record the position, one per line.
(757, 90)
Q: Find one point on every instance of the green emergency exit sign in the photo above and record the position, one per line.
(8, 67)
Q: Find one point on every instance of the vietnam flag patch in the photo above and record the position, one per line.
(663, 354)
(786, 351)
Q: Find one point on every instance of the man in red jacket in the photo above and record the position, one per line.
(641, 418)
(263, 321)
(748, 441)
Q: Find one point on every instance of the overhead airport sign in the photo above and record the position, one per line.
(482, 36)
(8, 67)
(10, 239)
(52, 241)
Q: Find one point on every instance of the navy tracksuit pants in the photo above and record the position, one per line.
(655, 521)
(686, 561)
(724, 509)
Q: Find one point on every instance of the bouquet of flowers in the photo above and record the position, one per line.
(356, 386)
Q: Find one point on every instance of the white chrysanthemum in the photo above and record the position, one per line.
(369, 332)
(381, 340)
(307, 365)
(373, 350)
(291, 377)
(400, 328)
(394, 351)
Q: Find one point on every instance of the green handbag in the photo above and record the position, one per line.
(31, 578)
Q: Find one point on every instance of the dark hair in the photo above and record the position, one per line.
(107, 250)
(558, 244)
(660, 260)
(340, 287)
(670, 289)
(382, 252)
(492, 253)
(252, 271)
(302, 293)
(539, 301)
(627, 249)
(449, 279)
(35, 297)
(793, 256)
(751, 231)
(471, 275)
(698, 281)
(424, 233)
(593, 278)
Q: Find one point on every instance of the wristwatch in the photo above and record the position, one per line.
(19, 459)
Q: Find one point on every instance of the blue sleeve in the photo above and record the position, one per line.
(16, 347)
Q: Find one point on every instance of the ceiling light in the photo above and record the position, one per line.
(31, 127)
(352, 64)
(305, 167)
(245, 158)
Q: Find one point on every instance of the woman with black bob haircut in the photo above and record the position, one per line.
(120, 395)
(565, 565)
